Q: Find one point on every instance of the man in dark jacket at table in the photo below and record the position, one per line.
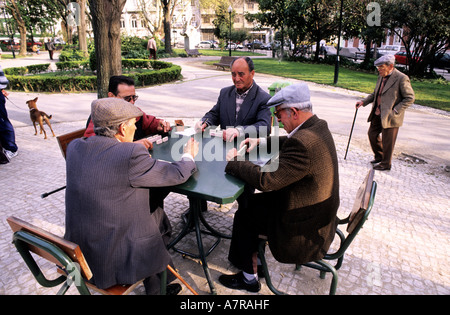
(300, 196)
(241, 105)
(107, 198)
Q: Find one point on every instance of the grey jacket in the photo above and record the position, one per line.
(107, 207)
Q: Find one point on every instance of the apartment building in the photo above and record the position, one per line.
(190, 24)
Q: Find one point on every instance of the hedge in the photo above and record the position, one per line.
(34, 69)
(162, 72)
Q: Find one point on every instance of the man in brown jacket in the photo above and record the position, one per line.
(300, 197)
(393, 94)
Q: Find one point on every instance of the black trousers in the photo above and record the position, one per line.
(250, 221)
(382, 147)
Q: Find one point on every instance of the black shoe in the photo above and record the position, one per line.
(238, 282)
(173, 289)
(375, 161)
(381, 168)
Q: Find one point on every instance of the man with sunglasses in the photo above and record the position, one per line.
(299, 199)
(123, 87)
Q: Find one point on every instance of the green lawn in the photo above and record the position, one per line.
(434, 94)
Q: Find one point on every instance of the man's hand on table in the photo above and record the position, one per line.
(163, 126)
(251, 144)
(191, 147)
(146, 143)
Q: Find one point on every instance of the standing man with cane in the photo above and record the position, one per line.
(393, 94)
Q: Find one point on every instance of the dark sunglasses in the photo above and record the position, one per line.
(130, 97)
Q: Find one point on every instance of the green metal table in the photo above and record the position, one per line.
(209, 183)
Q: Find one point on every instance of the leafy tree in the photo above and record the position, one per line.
(274, 14)
(222, 22)
(424, 28)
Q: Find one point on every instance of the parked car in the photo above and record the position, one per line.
(235, 46)
(255, 45)
(349, 52)
(7, 43)
(443, 62)
(31, 44)
(401, 58)
(204, 44)
(330, 51)
(58, 41)
(390, 49)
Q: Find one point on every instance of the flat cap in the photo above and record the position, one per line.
(112, 111)
(294, 95)
(386, 59)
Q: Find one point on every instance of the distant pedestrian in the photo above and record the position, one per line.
(151, 46)
(50, 47)
(393, 94)
(7, 135)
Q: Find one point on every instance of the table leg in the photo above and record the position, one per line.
(195, 205)
(193, 224)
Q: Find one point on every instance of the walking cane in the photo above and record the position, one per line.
(351, 131)
(181, 279)
(44, 195)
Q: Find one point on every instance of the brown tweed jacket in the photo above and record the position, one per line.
(397, 94)
(303, 193)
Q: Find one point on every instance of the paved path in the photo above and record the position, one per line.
(403, 249)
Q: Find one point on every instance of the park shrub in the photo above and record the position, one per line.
(71, 55)
(159, 72)
(33, 69)
(72, 65)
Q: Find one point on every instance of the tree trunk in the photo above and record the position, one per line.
(82, 27)
(15, 12)
(106, 25)
(166, 12)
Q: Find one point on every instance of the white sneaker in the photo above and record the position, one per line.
(10, 154)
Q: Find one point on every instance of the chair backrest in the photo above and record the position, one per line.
(30, 238)
(65, 139)
(65, 254)
(363, 203)
(361, 209)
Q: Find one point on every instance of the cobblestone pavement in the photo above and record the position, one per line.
(402, 249)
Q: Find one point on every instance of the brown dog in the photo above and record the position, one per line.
(40, 117)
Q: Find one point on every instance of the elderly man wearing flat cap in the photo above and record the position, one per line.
(297, 207)
(107, 199)
(393, 94)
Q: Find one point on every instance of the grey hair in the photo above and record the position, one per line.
(109, 131)
(303, 106)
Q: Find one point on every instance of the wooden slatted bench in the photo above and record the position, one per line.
(192, 52)
(225, 62)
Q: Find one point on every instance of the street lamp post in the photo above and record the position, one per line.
(230, 9)
(336, 66)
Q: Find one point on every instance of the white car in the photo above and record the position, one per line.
(204, 44)
(390, 49)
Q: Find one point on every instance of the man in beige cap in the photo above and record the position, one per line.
(393, 94)
(107, 199)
